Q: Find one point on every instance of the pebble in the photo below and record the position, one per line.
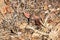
(49, 5)
(58, 8)
(19, 33)
(47, 11)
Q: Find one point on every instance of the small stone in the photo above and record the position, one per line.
(49, 5)
(58, 8)
(19, 33)
(47, 11)
(12, 36)
(32, 6)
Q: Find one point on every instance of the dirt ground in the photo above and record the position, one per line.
(29, 19)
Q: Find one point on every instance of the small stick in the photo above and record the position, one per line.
(43, 33)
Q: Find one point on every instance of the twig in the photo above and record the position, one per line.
(37, 31)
